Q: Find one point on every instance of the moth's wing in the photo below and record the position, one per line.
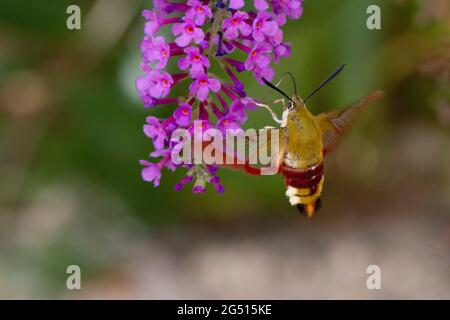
(246, 156)
(335, 123)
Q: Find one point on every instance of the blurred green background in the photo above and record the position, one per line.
(71, 137)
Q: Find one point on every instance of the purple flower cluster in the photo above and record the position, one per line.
(206, 34)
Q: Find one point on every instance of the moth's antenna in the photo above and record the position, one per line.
(334, 74)
(276, 89)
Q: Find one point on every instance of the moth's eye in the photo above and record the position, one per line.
(291, 105)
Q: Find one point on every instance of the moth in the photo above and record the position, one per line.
(304, 140)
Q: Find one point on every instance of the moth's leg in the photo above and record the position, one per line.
(284, 77)
(268, 108)
(281, 79)
(283, 102)
(277, 84)
(285, 111)
(273, 113)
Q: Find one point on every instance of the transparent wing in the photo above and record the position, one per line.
(335, 123)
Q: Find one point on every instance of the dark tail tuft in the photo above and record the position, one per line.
(301, 208)
(318, 204)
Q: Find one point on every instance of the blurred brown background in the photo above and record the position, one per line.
(71, 137)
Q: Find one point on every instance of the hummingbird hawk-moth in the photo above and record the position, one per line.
(304, 139)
